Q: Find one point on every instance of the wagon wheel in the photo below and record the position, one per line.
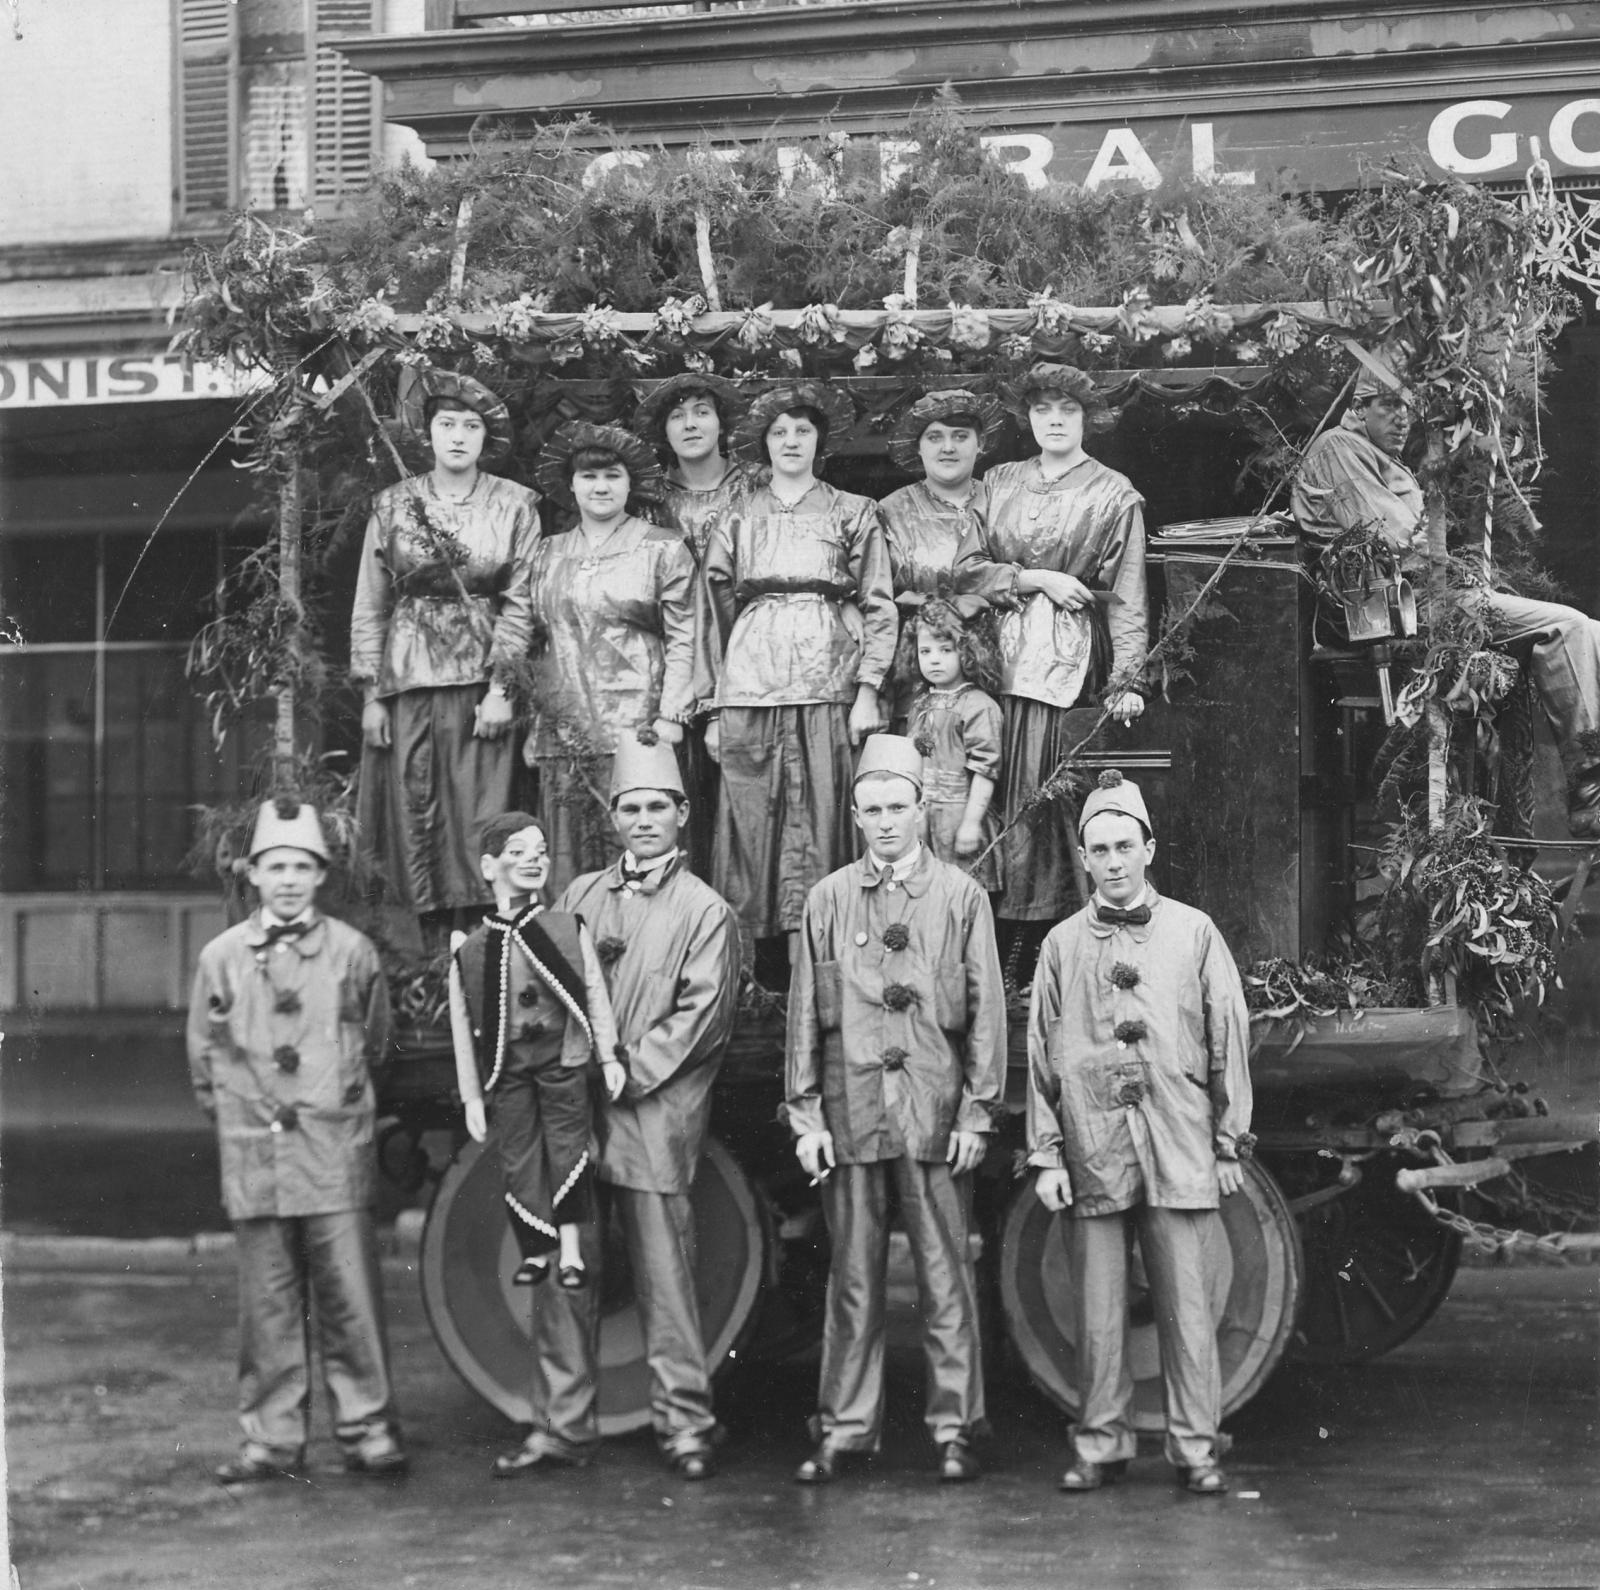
(1256, 1287)
(482, 1323)
(1377, 1266)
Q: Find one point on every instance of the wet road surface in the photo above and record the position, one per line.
(1468, 1457)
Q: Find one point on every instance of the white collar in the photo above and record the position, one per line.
(1131, 905)
(898, 871)
(270, 919)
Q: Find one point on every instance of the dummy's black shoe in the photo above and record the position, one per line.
(572, 1277)
(537, 1453)
(257, 1462)
(957, 1463)
(1086, 1476)
(531, 1272)
(826, 1464)
(1583, 804)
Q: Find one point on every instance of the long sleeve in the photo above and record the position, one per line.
(979, 573)
(720, 573)
(601, 1019)
(984, 1084)
(377, 1016)
(468, 1084)
(870, 570)
(1347, 483)
(1044, 1089)
(369, 617)
(1122, 572)
(697, 1026)
(802, 1081)
(681, 625)
(1227, 1019)
(204, 997)
(513, 623)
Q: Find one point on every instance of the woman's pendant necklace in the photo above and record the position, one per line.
(595, 552)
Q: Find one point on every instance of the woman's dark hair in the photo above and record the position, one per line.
(596, 458)
(439, 401)
(955, 421)
(801, 411)
(975, 640)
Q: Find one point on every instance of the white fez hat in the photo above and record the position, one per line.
(890, 753)
(1113, 793)
(291, 823)
(638, 766)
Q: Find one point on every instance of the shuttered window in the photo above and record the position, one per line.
(345, 117)
(208, 77)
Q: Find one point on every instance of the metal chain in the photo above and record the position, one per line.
(1503, 1241)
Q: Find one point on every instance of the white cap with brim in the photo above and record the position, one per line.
(638, 766)
(286, 823)
(892, 754)
(1113, 793)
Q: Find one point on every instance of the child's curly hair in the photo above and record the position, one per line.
(976, 640)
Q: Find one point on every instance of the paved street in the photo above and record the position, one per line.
(1466, 1458)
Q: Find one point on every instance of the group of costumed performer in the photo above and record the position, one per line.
(757, 629)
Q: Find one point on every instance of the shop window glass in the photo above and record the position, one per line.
(39, 604)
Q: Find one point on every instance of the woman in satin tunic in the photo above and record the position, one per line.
(799, 579)
(617, 647)
(689, 419)
(438, 631)
(943, 434)
(1062, 539)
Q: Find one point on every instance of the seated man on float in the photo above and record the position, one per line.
(1352, 479)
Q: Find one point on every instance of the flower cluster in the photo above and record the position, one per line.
(1131, 1092)
(286, 1058)
(895, 1059)
(610, 949)
(898, 996)
(1127, 1032)
(896, 936)
(969, 328)
(1124, 976)
(923, 742)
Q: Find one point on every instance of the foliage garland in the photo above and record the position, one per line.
(562, 292)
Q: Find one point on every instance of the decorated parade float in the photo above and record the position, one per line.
(1341, 768)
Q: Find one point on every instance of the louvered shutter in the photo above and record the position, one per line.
(345, 118)
(208, 74)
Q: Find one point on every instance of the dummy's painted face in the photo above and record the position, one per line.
(889, 813)
(601, 492)
(1387, 420)
(949, 453)
(522, 868)
(457, 436)
(287, 879)
(648, 821)
(792, 441)
(1057, 424)
(693, 429)
(938, 660)
(1117, 855)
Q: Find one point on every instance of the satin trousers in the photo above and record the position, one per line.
(303, 1276)
(659, 1231)
(1565, 664)
(1173, 1244)
(855, 1201)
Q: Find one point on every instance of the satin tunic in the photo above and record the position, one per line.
(1142, 1119)
(1348, 482)
(890, 1082)
(802, 594)
(1088, 523)
(621, 642)
(409, 629)
(694, 512)
(674, 990)
(283, 1041)
(926, 533)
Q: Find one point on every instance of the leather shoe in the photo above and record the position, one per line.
(530, 1273)
(1204, 1479)
(1583, 804)
(957, 1463)
(695, 1463)
(257, 1461)
(1086, 1476)
(378, 1453)
(825, 1464)
(535, 1453)
(572, 1277)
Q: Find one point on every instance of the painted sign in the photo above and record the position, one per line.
(1306, 146)
(53, 381)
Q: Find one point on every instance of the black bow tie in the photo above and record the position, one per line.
(1114, 915)
(287, 930)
